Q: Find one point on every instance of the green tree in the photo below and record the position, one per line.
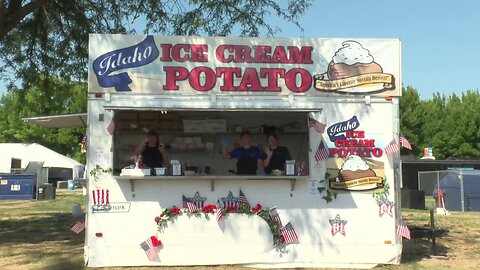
(411, 118)
(451, 125)
(50, 37)
(48, 96)
(433, 133)
(463, 118)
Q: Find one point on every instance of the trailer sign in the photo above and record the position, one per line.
(236, 65)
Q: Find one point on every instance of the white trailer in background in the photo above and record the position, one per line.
(332, 102)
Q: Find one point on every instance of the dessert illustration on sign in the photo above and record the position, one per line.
(356, 174)
(355, 167)
(353, 69)
(352, 60)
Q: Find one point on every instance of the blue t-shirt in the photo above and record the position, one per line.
(246, 159)
(241, 152)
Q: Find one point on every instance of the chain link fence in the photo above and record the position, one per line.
(460, 188)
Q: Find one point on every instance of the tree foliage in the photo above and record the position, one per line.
(50, 37)
(451, 125)
(48, 96)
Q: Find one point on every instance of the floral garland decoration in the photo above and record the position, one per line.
(95, 172)
(329, 195)
(155, 241)
(172, 213)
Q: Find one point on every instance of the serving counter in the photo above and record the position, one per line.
(210, 178)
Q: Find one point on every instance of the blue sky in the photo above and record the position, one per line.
(440, 38)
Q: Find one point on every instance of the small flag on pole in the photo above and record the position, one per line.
(275, 216)
(78, 227)
(404, 142)
(392, 147)
(316, 125)
(218, 212)
(149, 249)
(191, 207)
(322, 152)
(111, 127)
(402, 230)
(184, 200)
(288, 234)
(242, 199)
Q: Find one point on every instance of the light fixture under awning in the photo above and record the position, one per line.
(59, 121)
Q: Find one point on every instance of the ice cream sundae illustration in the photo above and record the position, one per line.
(355, 174)
(353, 69)
(352, 60)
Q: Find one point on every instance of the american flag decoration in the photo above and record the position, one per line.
(322, 152)
(337, 225)
(404, 142)
(111, 127)
(242, 199)
(191, 207)
(78, 227)
(316, 125)
(402, 230)
(184, 201)
(218, 212)
(288, 234)
(275, 216)
(392, 147)
(149, 249)
(101, 197)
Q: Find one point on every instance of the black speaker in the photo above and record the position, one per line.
(413, 199)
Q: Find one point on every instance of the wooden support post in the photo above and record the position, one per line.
(432, 232)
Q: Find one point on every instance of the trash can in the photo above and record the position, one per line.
(71, 185)
(46, 192)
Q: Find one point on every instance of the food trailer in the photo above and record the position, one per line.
(332, 102)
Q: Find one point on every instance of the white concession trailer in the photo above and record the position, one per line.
(332, 102)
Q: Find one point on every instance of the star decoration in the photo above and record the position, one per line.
(230, 201)
(385, 207)
(338, 225)
(198, 200)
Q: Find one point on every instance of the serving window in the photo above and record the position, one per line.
(196, 138)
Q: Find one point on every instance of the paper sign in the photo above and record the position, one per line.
(312, 186)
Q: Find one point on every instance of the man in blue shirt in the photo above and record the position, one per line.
(249, 157)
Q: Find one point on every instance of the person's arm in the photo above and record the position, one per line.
(140, 147)
(225, 153)
(166, 158)
(260, 167)
(268, 156)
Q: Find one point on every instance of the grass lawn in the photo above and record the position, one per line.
(36, 235)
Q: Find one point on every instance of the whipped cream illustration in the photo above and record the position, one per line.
(352, 53)
(355, 163)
